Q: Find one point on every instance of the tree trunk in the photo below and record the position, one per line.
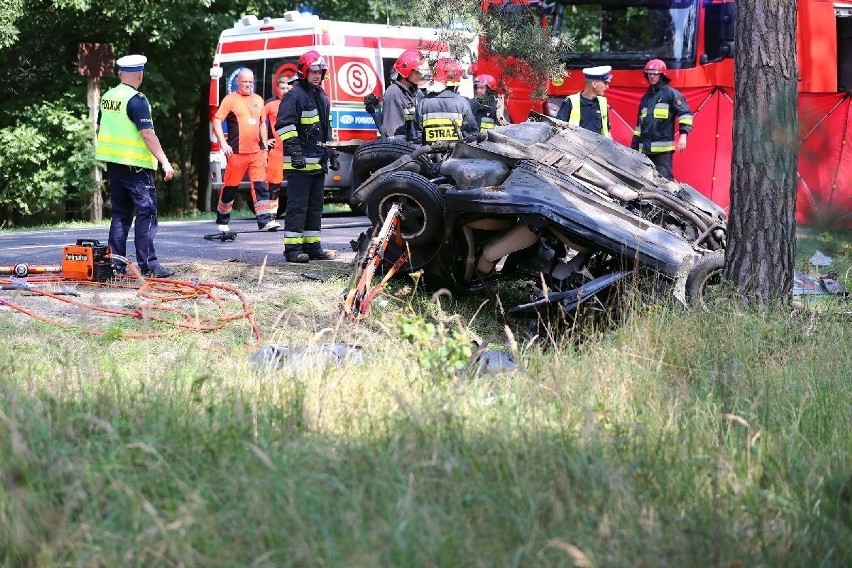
(762, 227)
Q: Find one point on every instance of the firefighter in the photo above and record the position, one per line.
(275, 158)
(245, 149)
(443, 115)
(304, 127)
(484, 101)
(589, 108)
(130, 148)
(400, 99)
(660, 108)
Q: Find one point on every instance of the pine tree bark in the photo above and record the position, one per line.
(762, 226)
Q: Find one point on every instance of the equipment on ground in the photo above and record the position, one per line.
(87, 260)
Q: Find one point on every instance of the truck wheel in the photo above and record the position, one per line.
(422, 206)
(705, 279)
(377, 154)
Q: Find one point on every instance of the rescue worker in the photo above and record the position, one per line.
(275, 158)
(304, 127)
(443, 114)
(484, 101)
(589, 108)
(127, 143)
(245, 149)
(400, 99)
(661, 106)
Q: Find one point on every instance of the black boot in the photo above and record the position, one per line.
(316, 252)
(294, 253)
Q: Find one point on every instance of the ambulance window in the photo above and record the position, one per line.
(387, 63)
(228, 82)
(277, 67)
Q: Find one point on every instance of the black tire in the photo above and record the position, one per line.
(422, 206)
(377, 154)
(704, 278)
(357, 209)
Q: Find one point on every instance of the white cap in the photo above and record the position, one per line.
(132, 63)
(601, 73)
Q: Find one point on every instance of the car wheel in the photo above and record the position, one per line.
(377, 154)
(705, 279)
(422, 206)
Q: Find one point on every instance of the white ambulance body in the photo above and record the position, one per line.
(360, 59)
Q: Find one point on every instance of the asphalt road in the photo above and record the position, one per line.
(182, 242)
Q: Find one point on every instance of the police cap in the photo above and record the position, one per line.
(601, 73)
(132, 63)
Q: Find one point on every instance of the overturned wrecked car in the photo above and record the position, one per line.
(559, 207)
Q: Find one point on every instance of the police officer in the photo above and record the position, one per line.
(127, 143)
(484, 101)
(304, 127)
(400, 99)
(661, 106)
(443, 113)
(589, 108)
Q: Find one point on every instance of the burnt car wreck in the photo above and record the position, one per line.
(544, 202)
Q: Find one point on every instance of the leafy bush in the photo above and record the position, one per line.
(46, 156)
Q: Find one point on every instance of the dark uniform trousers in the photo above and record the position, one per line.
(664, 163)
(304, 209)
(131, 189)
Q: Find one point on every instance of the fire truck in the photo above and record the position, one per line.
(360, 59)
(695, 38)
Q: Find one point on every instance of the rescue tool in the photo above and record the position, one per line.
(87, 260)
(357, 301)
(225, 236)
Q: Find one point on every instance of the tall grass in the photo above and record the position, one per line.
(677, 439)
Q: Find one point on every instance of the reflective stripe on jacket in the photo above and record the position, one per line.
(398, 107)
(303, 125)
(660, 108)
(442, 115)
(119, 140)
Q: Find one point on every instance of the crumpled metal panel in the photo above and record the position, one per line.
(535, 193)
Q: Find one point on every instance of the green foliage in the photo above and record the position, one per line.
(12, 10)
(680, 439)
(45, 157)
(441, 350)
(513, 32)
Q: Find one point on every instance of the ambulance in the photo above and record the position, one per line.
(360, 59)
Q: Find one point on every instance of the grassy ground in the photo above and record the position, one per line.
(674, 439)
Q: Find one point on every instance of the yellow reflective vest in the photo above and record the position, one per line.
(119, 141)
(574, 117)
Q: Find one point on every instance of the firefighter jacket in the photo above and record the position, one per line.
(119, 140)
(660, 108)
(485, 113)
(303, 125)
(441, 115)
(398, 105)
(591, 114)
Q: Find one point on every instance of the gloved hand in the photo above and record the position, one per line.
(333, 159)
(297, 160)
(371, 102)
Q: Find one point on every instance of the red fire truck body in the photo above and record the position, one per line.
(695, 39)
